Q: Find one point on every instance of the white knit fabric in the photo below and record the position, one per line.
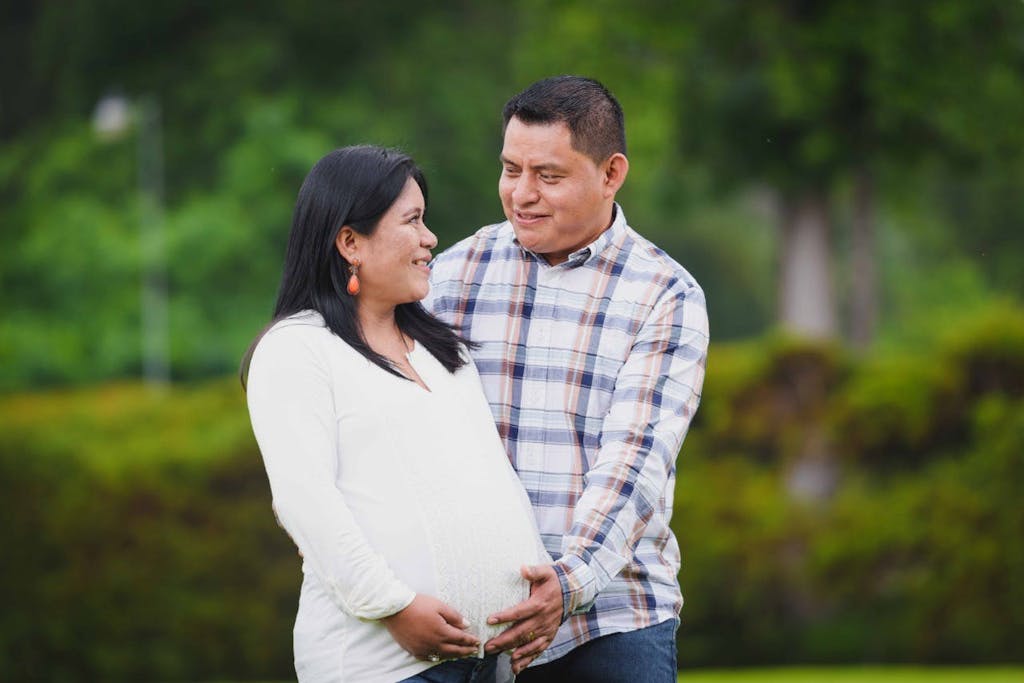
(388, 490)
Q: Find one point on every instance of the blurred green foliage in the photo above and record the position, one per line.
(144, 546)
(141, 545)
(727, 106)
(912, 557)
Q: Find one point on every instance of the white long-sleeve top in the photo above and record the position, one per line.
(388, 490)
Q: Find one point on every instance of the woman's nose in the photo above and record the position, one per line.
(428, 239)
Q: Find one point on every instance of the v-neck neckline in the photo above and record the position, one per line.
(408, 356)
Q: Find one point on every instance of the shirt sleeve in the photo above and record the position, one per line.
(429, 302)
(441, 300)
(292, 409)
(656, 395)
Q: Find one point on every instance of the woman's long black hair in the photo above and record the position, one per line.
(353, 186)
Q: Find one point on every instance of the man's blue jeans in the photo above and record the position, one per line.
(644, 656)
(470, 670)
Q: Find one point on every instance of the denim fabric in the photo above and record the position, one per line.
(470, 670)
(644, 656)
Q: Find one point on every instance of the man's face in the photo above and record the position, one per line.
(557, 199)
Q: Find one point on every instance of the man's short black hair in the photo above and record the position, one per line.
(592, 114)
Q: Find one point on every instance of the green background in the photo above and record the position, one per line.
(845, 498)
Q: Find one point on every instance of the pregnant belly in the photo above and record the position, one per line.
(477, 560)
(466, 550)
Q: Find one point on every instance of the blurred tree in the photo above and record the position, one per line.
(252, 93)
(806, 96)
(633, 49)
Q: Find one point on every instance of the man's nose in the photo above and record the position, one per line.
(525, 191)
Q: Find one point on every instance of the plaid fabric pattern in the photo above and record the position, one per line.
(593, 369)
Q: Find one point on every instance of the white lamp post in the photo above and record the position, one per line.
(115, 115)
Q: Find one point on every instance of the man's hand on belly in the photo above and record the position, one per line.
(536, 619)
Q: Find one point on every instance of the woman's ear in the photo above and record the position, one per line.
(347, 243)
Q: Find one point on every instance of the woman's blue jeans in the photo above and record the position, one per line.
(470, 670)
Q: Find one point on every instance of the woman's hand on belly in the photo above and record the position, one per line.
(429, 627)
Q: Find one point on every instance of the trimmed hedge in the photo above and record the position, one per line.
(915, 555)
(140, 543)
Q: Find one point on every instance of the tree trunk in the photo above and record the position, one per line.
(863, 273)
(806, 301)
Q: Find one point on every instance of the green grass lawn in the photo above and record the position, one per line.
(858, 675)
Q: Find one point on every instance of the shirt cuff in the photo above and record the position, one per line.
(372, 602)
(579, 589)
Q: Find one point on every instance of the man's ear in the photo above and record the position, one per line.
(347, 243)
(615, 169)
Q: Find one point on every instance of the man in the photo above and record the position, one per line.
(592, 352)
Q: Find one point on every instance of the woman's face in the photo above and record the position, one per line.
(395, 257)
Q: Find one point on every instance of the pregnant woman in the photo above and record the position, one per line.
(384, 463)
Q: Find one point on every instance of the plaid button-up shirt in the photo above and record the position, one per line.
(593, 369)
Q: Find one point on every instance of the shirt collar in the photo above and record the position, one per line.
(586, 253)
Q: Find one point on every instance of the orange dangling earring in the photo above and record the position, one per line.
(353, 282)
